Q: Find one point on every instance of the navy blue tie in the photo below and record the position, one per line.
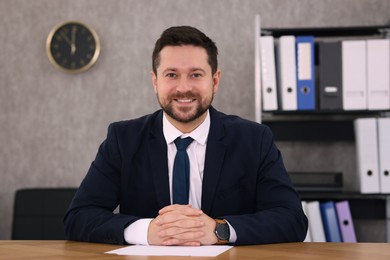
(181, 172)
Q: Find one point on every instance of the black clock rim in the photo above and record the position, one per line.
(86, 66)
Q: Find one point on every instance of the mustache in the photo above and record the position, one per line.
(186, 95)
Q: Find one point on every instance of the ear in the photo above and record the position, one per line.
(216, 79)
(154, 81)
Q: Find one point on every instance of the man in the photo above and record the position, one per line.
(239, 191)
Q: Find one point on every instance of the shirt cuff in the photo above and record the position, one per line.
(137, 232)
(233, 235)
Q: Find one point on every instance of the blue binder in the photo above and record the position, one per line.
(330, 222)
(305, 73)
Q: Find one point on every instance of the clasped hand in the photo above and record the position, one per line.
(182, 225)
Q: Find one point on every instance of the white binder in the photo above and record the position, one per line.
(268, 84)
(308, 235)
(354, 71)
(287, 72)
(384, 154)
(367, 154)
(378, 68)
(315, 221)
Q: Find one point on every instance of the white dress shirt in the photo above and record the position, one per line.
(137, 232)
(196, 153)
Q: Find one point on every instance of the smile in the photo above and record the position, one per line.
(184, 100)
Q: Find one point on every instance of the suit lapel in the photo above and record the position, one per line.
(158, 158)
(215, 153)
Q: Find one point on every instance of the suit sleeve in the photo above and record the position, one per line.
(90, 216)
(278, 216)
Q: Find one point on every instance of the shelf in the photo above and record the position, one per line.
(341, 195)
(310, 131)
(331, 114)
(309, 126)
(363, 206)
(356, 31)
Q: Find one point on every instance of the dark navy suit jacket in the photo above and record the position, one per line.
(244, 182)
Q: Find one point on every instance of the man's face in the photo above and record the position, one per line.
(184, 84)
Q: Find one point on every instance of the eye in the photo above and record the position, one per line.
(171, 75)
(196, 75)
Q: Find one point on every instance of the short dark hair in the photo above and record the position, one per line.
(185, 35)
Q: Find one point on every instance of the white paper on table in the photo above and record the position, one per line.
(210, 251)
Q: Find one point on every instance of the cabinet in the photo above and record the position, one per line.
(322, 125)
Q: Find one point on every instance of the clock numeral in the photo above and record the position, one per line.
(92, 47)
(82, 62)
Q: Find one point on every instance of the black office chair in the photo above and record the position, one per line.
(38, 213)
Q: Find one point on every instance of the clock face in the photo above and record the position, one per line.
(73, 47)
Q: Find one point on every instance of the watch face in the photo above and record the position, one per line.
(73, 47)
(222, 231)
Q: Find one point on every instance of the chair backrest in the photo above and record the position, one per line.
(38, 213)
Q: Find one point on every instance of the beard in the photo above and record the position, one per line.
(185, 114)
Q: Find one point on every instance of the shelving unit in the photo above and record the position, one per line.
(323, 125)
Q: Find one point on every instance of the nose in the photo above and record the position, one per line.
(184, 85)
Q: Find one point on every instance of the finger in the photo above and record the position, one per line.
(183, 209)
(190, 238)
(176, 217)
(179, 232)
(168, 218)
(173, 242)
(183, 223)
(191, 243)
(173, 207)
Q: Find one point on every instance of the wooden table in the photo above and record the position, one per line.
(58, 249)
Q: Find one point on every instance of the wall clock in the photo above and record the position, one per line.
(73, 47)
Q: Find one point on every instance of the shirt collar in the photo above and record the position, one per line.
(199, 134)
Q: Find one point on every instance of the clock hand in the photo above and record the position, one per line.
(73, 44)
(72, 47)
(66, 38)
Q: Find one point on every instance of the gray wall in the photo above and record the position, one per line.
(52, 123)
